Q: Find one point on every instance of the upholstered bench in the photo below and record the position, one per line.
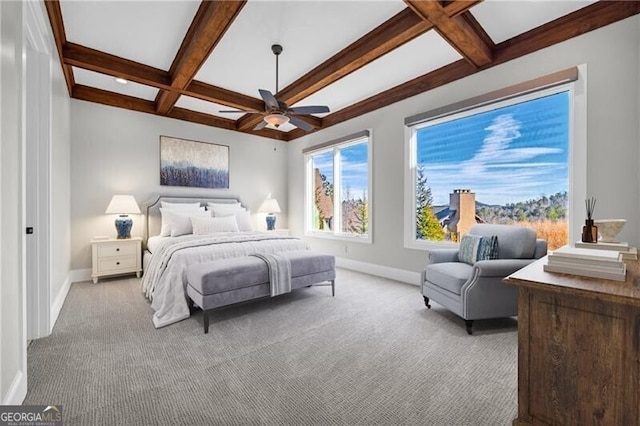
(224, 282)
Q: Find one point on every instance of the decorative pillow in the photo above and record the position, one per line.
(224, 209)
(235, 204)
(176, 222)
(243, 217)
(474, 248)
(244, 221)
(211, 225)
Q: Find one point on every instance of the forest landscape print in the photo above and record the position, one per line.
(510, 162)
(195, 164)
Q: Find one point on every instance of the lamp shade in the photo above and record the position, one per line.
(269, 205)
(123, 204)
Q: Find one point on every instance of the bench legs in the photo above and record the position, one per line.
(205, 320)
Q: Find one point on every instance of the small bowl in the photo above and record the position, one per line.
(609, 228)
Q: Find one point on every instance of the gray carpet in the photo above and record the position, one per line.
(372, 355)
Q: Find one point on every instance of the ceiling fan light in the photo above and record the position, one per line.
(276, 120)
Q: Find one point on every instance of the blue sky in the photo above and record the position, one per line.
(510, 154)
(505, 155)
(353, 167)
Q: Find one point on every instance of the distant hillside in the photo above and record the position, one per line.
(553, 207)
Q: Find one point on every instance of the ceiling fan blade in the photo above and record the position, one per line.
(314, 109)
(269, 99)
(261, 125)
(298, 122)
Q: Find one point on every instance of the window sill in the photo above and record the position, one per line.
(340, 237)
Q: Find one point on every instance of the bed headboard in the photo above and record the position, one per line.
(152, 208)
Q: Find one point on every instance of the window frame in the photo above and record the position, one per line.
(335, 147)
(577, 156)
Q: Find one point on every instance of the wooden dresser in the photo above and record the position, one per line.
(578, 348)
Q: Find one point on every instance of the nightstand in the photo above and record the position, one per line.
(283, 232)
(115, 257)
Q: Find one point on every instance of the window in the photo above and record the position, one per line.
(504, 162)
(338, 188)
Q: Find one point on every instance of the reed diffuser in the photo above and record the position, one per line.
(589, 230)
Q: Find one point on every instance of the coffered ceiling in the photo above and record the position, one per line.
(188, 59)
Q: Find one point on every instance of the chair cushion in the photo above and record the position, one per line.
(476, 247)
(449, 275)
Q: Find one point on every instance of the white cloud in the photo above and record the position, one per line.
(497, 173)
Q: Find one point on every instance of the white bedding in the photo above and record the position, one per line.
(154, 242)
(164, 281)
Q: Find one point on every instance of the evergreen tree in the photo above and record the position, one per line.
(424, 198)
(427, 224)
(362, 215)
(428, 227)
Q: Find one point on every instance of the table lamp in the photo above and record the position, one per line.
(123, 205)
(270, 206)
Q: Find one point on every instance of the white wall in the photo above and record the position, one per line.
(60, 185)
(612, 59)
(116, 151)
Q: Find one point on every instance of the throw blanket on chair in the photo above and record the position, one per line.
(279, 272)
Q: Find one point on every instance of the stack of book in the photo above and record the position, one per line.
(628, 253)
(588, 262)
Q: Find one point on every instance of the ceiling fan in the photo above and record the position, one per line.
(277, 112)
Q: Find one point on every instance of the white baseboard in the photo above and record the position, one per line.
(401, 275)
(59, 301)
(17, 391)
(78, 275)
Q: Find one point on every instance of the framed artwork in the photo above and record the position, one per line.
(196, 164)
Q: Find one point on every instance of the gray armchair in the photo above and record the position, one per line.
(476, 291)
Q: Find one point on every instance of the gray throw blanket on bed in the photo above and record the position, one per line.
(279, 272)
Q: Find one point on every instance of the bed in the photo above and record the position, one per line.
(166, 259)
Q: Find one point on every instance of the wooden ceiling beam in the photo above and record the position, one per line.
(456, 7)
(60, 38)
(436, 78)
(311, 119)
(401, 28)
(105, 97)
(207, 28)
(582, 21)
(104, 63)
(95, 60)
(398, 30)
(208, 92)
(248, 121)
(131, 103)
(456, 30)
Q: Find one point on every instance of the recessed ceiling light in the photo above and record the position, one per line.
(121, 80)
